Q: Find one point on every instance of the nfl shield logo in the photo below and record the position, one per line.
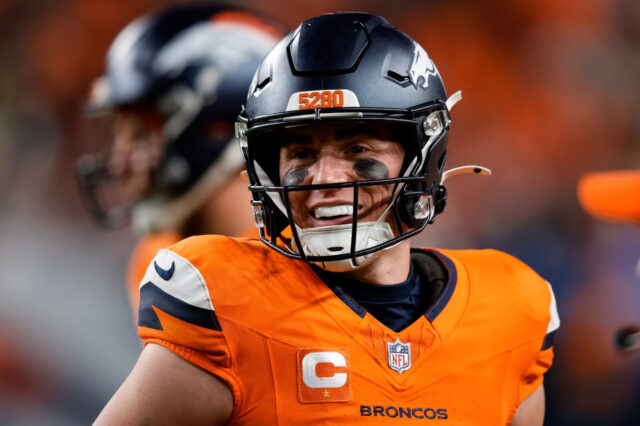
(399, 355)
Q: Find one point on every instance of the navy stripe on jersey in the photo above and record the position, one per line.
(333, 280)
(548, 340)
(444, 298)
(152, 296)
(348, 300)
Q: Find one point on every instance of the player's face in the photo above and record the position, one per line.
(338, 153)
(137, 149)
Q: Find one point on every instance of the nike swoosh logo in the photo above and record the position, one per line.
(165, 274)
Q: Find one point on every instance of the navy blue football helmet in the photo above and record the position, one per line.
(192, 64)
(347, 68)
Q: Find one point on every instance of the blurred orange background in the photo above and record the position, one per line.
(551, 90)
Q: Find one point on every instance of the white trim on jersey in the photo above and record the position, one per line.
(554, 322)
(186, 283)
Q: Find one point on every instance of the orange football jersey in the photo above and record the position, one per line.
(294, 352)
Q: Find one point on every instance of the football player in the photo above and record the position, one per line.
(334, 318)
(174, 83)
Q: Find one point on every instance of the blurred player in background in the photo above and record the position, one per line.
(174, 84)
(614, 196)
(334, 318)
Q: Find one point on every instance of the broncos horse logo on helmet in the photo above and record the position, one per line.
(421, 68)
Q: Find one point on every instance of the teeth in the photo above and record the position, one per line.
(332, 211)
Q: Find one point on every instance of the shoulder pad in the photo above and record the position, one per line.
(173, 285)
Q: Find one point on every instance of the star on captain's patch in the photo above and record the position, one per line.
(325, 393)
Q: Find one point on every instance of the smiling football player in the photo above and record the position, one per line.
(333, 318)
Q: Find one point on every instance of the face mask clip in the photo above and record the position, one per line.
(424, 208)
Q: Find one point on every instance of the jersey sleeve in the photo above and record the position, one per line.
(176, 311)
(533, 378)
(142, 255)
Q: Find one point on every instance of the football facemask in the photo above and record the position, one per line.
(354, 241)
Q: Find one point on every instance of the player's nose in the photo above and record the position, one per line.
(329, 168)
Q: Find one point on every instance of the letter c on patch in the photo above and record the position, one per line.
(310, 377)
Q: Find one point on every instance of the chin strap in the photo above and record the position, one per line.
(454, 99)
(464, 170)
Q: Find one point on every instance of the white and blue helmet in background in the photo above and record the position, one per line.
(193, 65)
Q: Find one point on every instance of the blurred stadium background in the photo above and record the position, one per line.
(551, 91)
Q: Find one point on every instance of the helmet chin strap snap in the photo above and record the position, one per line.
(464, 170)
